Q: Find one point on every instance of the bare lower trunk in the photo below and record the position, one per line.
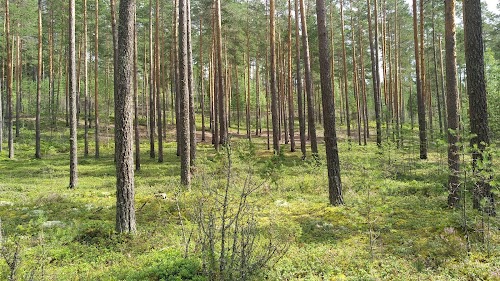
(125, 210)
(73, 179)
(332, 158)
(452, 94)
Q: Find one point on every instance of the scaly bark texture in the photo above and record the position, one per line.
(184, 133)
(125, 210)
(452, 106)
(332, 153)
(476, 90)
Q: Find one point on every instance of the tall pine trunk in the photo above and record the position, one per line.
(478, 109)
(96, 79)
(184, 94)
(309, 86)
(73, 179)
(38, 84)
(332, 157)
(124, 137)
(274, 91)
(298, 77)
(375, 74)
(420, 91)
(453, 113)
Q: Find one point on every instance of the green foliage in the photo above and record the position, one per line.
(170, 266)
(393, 200)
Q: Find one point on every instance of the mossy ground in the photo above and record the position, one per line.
(395, 224)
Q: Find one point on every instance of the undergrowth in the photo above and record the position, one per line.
(395, 224)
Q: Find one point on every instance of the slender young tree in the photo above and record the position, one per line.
(452, 94)
(274, 92)
(38, 84)
(220, 76)
(137, 139)
(291, 109)
(202, 86)
(298, 77)
(308, 79)
(478, 108)
(332, 156)
(192, 117)
(1, 109)
(152, 107)
(73, 162)
(9, 81)
(157, 85)
(96, 79)
(344, 72)
(184, 94)
(85, 81)
(374, 69)
(19, 79)
(436, 80)
(125, 210)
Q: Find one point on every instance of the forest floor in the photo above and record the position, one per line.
(395, 224)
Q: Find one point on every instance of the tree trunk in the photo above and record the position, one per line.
(38, 85)
(157, 84)
(355, 79)
(478, 109)
(363, 86)
(202, 85)
(192, 117)
(308, 78)
(96, 79)
(184, 94)
(291, 110)
(344, 74)
(2, 82)
(238, 101)
(73, 179)
(152, 103)
(375, 74)
(453, 117)
(274, 92)
(19, 78)
(247, 94)
(86, 82)
(220, 77)
(443, 96)
(9, 81)
(420, 94)
(298, 77)
(332, 157)
(137, 140)
(257, 97)
(438, 96)
(125, 210)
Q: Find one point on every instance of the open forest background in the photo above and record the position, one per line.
(223, 166)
